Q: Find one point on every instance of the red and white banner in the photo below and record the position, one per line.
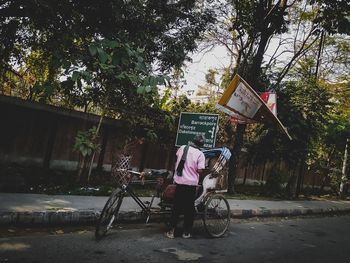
(271, 101)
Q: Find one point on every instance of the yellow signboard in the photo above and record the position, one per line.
(245, 105)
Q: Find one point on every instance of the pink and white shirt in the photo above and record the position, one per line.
(195, 160)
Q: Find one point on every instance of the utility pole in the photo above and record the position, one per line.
(343, 178)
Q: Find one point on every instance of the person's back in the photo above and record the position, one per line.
(194, 161)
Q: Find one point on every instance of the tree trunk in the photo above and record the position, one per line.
(255, 71)
(81, 170)
(325, 175)
(234, 160)
(94, 153)
(50, 144)
(245, 174)
(263, 172)
(323, 184)
(103, 149)
(291, 183)
(313, 182)
(252, 75)
(318, 61)
(300, 177)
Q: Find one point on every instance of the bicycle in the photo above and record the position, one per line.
(210, 204)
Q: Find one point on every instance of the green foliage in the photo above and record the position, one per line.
(226, 78)
(98, 57)
(334, 15)
(86, 142)
(178, 105)
(61, 29)
(305, 104)
(304, 108)
(115, 74)
(337, 130)
(327, 157)
(210, 77)
(274, 183)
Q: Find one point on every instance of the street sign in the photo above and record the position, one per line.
(191, 124)
(244, 105)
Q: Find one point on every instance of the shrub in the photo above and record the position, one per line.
(274, 183)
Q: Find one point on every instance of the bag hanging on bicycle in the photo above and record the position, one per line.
(169, 193)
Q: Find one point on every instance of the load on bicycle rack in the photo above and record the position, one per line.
(210, 204)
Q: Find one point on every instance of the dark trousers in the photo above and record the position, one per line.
(184, 204)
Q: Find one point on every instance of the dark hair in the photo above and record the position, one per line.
(198, 140)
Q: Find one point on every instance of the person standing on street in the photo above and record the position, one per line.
(190, 165)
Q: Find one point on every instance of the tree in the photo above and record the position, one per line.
(212, 89)
(85, 144)
(99, 55)
(62, 30)
(247, 29)
(333, 141)
(252, 25)
(333, 15)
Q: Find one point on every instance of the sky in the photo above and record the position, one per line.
(218, 59)
(195, 71)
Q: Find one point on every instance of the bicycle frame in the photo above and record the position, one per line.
(143, 206)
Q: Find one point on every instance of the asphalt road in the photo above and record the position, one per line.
(325, 239)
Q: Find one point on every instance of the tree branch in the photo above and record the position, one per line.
(291, 63)
(7, 67)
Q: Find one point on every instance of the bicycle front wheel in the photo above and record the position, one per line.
(109, 213)
(216, 216)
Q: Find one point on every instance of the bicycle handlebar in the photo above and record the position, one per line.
(155, 173)
(134, 172)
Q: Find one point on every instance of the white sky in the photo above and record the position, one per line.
(217, 58)
(195, 71)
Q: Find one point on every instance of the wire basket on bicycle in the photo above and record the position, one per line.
(120, 169)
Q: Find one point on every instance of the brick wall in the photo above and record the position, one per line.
(42, 135)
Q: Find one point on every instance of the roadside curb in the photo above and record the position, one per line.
(249, 213)
(55, 218)
(48, 217)
(89, 217)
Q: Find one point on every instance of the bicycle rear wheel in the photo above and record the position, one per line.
(109, 213)
(216, 216)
